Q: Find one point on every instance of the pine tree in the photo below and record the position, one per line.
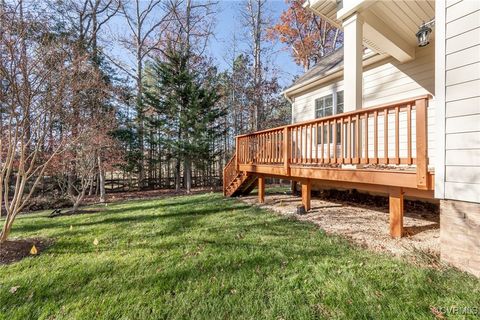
(186, 111)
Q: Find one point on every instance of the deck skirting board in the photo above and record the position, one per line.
(366, 179)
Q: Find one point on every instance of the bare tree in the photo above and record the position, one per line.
(255, 20)
(31, 107)
(83, 21)
(146, 20)
(83, 153)
(192, 25)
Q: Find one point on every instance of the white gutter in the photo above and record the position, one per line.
(286, 96)
(336, 72)
(309, 6)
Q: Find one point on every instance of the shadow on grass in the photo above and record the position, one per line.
(160, 205)
(197, 259)
(182, 214)
(228, 264)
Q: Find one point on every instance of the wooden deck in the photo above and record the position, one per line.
(380, 149)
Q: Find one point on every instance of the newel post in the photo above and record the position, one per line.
(286, 151)
(224, 183)
(422, 143)
(237, 165)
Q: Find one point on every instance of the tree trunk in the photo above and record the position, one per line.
(70, 184)
(90, 191)
(187, 168)
(177, 176)
(101, 179)
(76, 204)
(79, 199)
(141, 170)
(5, 231)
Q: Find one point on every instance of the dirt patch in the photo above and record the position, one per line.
(366, 221)
(17, 249)
(47, 202)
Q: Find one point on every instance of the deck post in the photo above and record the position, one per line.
(286, 151)
(261, 189)
(306, 194)
(224, 183)
(422, 144)
(237, 165)
(396, 212)
(293, 187)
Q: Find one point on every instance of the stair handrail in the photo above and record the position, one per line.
(311, 141)
(229, 172)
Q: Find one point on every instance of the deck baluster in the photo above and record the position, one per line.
(397, 135)
(385, 136)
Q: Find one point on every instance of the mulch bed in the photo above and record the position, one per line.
(364, 219)
(17, 249)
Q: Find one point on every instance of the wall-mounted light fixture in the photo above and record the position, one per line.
(423, 34)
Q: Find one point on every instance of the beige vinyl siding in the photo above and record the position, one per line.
(462, 101)
(304, 105)
(390, 80)
(385, 82)
(460, 9)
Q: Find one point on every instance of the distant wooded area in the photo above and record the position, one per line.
(87, 107)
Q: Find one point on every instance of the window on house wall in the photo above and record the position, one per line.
(339, 103)
(326, 106)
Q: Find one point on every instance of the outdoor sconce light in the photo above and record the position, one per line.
(423, 34)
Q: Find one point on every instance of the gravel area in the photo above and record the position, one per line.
(365, 224)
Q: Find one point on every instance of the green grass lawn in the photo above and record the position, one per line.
(206, 257)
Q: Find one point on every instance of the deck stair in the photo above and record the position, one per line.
(237, 183)
(242, 185)
(382, 149)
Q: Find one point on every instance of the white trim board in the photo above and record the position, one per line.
(439, 99)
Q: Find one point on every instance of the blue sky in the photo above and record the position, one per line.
(229, 22)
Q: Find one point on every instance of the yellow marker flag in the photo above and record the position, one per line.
(95, 242)
(33, 251)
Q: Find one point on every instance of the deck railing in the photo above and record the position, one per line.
(229, 173)
(392, 134)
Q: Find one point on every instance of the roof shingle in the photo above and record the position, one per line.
(327, 63)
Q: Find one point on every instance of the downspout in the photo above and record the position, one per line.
(287, 97)
(291, 103)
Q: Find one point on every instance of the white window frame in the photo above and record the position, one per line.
(334, 109)
(334, 103)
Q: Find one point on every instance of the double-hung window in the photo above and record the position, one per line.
(339, 102)
(326, 106)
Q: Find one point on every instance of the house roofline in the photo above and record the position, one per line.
(335, 72)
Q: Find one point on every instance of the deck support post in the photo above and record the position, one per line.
(261, 189)
(287, 143)
(237, 165)
(422, 143)
(396, 212)
(293, 187)
(306, 194)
